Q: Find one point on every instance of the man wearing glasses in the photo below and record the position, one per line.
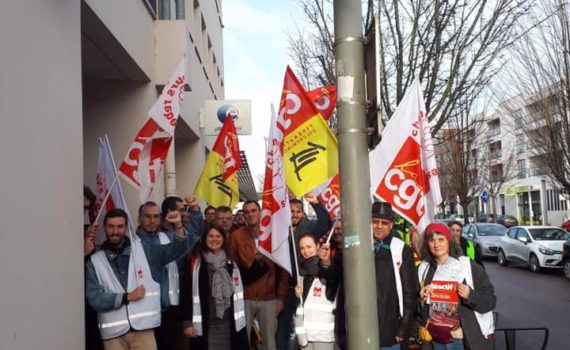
(156, 230)
(224, 219)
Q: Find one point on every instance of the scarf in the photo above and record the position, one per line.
(310, 266)
(222, 286)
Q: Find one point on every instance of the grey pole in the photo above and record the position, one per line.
(359, 271)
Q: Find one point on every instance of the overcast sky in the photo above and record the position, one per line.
(255, 57)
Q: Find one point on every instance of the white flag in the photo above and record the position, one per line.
(107, 180)
(403, 170)
(275, 212)
(166, 109)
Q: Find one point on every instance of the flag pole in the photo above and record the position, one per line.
(294, 252)
(105, 199)
(299, 278)
(332, 230)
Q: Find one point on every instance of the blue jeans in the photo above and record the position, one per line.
(392, 347)
(456, 345)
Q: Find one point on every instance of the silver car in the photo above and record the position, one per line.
(485, 236)
(537, 246)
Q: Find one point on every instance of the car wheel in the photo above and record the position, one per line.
(502, 259)
(567, 268)
(533, 263)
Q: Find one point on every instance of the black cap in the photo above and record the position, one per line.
(382, 210)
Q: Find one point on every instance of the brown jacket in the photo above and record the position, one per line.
(273, 284)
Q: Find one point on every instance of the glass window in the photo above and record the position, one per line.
(549, 234)
(491, 230)
(522, 233)
(512, 233)
(521, 165)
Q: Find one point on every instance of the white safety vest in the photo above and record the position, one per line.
(239, 304)
(463, 271)
(396, 250)
(317, 315)
(141, 314)
(173, 280)
(485, 320)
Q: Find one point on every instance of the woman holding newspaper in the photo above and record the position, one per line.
(456, 297)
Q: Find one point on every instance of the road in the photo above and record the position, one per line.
(527, 299)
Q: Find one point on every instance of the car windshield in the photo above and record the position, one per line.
(549, 234)
(491, 230)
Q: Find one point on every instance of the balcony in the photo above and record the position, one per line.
(539, 171)
(493, 133)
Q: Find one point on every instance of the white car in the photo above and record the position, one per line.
(537, 246)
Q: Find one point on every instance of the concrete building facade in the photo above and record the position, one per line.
(72, 71)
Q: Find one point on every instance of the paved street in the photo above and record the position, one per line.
(526, 299)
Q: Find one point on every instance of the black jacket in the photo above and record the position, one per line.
(389, 320)
(238, 339)
(481, 299)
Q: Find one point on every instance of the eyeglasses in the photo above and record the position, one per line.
(151, 216)
(224, 218)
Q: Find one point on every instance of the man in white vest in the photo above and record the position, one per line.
(158, 231)
(121, 284)
(396, 280)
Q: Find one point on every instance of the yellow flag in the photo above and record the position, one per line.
(222, 163)
(310, 151)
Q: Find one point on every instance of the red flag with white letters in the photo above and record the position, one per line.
(145, 157)
(324, 99)
(403, 170)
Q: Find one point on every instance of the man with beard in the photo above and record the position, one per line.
(396, 280)
(301, 225)
(121, 282)
(224, 219)
(265, 283)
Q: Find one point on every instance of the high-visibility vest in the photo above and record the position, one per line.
(470, 249)
(172, 269)
(317, 316)
(141, 314)
(396, 249)
(239, 304)
(486, 321)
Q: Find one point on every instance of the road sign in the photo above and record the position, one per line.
(485, 196)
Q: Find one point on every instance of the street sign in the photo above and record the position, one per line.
(485, 196)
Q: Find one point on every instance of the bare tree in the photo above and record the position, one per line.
(454, 47)
(540, 76)
(460, 161)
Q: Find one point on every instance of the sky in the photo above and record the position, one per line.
(255, 57)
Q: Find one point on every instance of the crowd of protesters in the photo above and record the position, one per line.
(187, 279)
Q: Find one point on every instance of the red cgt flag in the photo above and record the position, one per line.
(324, 99)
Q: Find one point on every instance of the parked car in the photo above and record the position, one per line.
(507, 220)
(484, 217)
(537, 246)
(566, 258)
(485, 236)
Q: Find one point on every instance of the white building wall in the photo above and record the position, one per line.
(41, 259)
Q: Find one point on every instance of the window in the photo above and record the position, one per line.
(555, 202)
(512, 233)
(522, 233)
(521, 165)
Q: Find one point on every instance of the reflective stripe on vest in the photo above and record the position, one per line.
(317, 315)
(239, 304)
(470, 250)
(396, 249)
(141, 314)
(486, 321)
(172, 269)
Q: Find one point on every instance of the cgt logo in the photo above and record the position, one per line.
(227, 111)
(405, 183)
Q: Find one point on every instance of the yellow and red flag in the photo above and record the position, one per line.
(310, 151)
(218, 184)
